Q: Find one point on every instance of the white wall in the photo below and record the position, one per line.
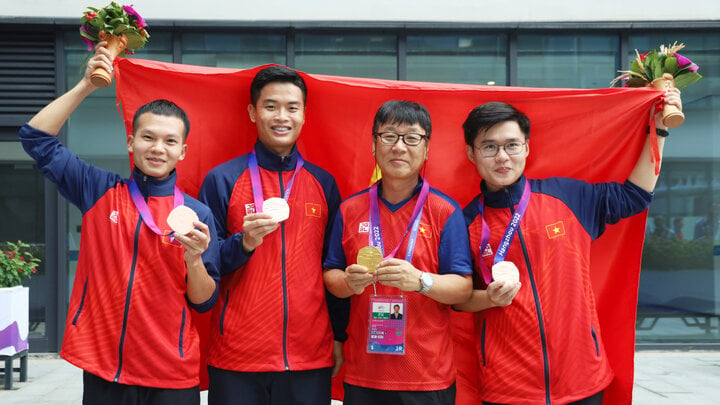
(490, 11)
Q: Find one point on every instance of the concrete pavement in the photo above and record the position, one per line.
(661, 377)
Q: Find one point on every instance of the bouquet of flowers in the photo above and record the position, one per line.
(16, 264)
(121, 26)
(661, 69)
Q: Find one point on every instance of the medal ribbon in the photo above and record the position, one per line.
(375, 236)
(144, 210)
(257, 182)
(509, 232)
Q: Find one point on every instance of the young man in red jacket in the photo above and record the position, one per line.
(129, 325)
(271, 339)
(540, 343)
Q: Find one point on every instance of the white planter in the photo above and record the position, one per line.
(14, 310)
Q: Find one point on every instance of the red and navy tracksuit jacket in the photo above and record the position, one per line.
(546, 347)
(271, 313)
(129, 318)
(441, 248)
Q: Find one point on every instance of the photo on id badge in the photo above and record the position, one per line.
(386, 329)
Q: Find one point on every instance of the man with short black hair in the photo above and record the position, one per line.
(400, 243)
(272, 210)
(540, 343)
(129, 325)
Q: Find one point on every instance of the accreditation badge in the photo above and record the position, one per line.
(386, 328)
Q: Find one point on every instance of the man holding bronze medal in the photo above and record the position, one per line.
(540, 343)
(272, 211)
(411, 248)
(129, 325)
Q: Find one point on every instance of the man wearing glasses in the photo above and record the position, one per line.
(540, 343)
(411, 248)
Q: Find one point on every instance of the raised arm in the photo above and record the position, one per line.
(53, 116)
(643, 174)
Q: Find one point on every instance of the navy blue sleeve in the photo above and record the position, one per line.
(215, 192)
(79, 182)
(596, 205)
(454, 248)
(471, 211)
(338, 308)
(335, 258)
(211, 256)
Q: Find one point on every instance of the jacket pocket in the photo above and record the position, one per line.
(595, 340)
(482, 342)
(222, 314)
(82, 303)
(182, 331)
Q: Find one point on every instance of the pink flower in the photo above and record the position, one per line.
(34, 270)
(90, 15)
(22, 259)
(642, 57)
(131, 11)
(683, 62)
(90, 44)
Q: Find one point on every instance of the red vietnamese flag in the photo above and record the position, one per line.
(594, 135)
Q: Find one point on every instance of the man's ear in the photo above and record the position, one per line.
(251, 112)
(470, 153)
(129, 140)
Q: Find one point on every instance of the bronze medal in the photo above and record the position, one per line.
(370, 257)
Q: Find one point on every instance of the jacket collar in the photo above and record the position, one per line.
(506, 197)
(154, 187)
(268, 160)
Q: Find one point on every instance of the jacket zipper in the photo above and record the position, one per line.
(182, 329)
(82, 303)
(128, 294)
(222, 314)
(482, 343)
(284, 280)
(536, 298)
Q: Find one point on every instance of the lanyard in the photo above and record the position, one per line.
(507, 237)
(257, 182)
(144, 210)
(375, 236)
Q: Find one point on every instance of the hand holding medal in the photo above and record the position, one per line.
(505, 285)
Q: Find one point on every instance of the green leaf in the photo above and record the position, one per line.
(635, 67)
(135, 40)
(686, 79)
(671, 65)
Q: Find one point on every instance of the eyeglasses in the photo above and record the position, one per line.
(488, 150)
(410, 139)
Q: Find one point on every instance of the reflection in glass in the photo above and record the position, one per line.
(356, 55)
(584, 61)
(469, 59)
(679, 297)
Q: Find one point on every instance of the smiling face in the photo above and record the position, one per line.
(279, 115)
(502, 170)
(400, 161)
(157, 144)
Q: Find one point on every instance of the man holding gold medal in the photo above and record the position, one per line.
(272, 209)
(401, 244)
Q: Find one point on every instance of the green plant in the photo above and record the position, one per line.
(652, 65)
(114, 19)
(16, 264)
(676, 254)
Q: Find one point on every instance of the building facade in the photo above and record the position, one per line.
(562, 44)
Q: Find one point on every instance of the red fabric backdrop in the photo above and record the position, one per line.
(594, 135)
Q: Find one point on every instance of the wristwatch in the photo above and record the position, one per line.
(426, 282)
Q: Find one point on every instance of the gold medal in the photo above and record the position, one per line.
(370, 257)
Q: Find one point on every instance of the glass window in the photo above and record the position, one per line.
(23, 206)
(356, 55)
(575, 61)
(469, 59)
(679, 297)
(240, 51)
